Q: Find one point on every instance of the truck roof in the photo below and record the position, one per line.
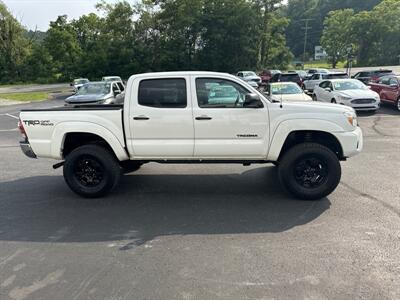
(181, 73)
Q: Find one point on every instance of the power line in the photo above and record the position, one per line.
(306, 28)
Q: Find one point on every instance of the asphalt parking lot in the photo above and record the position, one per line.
(201, 231)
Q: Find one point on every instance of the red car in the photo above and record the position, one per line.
(388, 88)
(266, 75)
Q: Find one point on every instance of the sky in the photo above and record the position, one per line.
(39, 13)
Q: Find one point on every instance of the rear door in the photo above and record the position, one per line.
(392, 89)
(322, 93)
(161, 124)
(224, 129)
(384, 88)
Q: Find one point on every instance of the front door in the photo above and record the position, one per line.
(161, 124)
(224, 129)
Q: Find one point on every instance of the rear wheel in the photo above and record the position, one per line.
(333, 101)
(310, 171)
(91, 171)
(398, 104)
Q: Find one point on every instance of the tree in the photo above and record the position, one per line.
(336, 37)
(14, 47)
(316, 11)
(272, 49)
(62, 44)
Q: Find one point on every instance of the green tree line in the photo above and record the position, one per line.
(373, 37)
(161, 35)
(216, 35)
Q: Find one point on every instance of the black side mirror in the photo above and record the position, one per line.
(252, 101)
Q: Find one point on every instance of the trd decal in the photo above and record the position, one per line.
(38, 123)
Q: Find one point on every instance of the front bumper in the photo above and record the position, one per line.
(352, 142)
(26, 149)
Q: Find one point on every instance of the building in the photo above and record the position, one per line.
(320, 53)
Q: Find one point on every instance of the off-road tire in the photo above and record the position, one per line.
(92, 159)
(292, 162)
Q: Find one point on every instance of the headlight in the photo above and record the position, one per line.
(351, 118)
(345, 98)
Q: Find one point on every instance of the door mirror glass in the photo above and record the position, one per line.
(252, 101)
(328, 89)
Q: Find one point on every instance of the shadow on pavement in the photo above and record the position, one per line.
(385, 109)
(143, 207)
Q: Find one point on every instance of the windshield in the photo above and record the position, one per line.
(348, 85)
(94, 89)
(247, 74)
(111, 79)
(285, 89)
(80, 81)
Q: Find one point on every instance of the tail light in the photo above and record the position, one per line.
(22, 129)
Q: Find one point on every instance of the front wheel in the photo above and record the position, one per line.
(310, 171)
(91, 171)
(314, 97)
(398, 104)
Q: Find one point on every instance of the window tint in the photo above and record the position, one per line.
(384, 80)
(337, 76)
(364, 74)
(393, 81)
(324, 84)
(290, 77)
(163, 93)
(219, 93)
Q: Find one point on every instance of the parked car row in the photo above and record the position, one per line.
(110, 90)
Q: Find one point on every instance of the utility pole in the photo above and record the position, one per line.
(306, 28)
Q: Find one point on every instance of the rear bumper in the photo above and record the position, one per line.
(26, 149)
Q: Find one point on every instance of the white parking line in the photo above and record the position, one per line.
(11, 116)
(7, 130)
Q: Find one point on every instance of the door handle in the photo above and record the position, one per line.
(141, 118)
(203, 118)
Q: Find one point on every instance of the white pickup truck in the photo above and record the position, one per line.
(194, 117)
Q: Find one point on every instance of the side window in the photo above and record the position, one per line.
(315, 77)
(384, 80)
(393, 82)
(219, 93)
(240, 74)
(324, 84)
(163, 93)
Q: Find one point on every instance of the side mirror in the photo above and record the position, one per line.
(252, 101)
(71, 84)
(117, 92)
(328, 89)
